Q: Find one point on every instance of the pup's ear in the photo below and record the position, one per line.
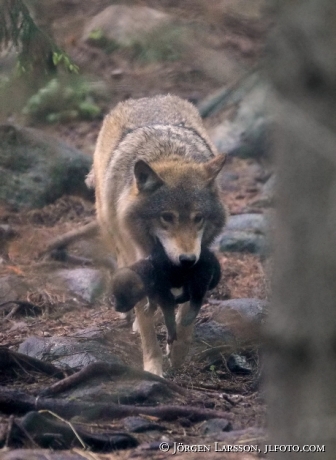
(213, 167)
(146, 178)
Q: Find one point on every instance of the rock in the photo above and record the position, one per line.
(88, 283)
(106, 389)
(76, 353)
(253, 310)
(211, 341)
(267, 197)
(238, 364)
(140, 425)
(247, 222)
(238, 436)
(12, 287)
(242, 241)
(67, 351)
(36, 169)
(52, 433)
(215, 426)
(246, 134)
(124, 25)
(212, 333)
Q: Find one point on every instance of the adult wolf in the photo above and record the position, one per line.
(154, 174)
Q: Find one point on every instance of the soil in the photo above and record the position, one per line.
(60, 315)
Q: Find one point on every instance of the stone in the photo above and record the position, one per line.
(67, 352)
(52, 433)
(212, 333)
(247, 222)
(214, 426)
(12, 287)
(124, 25)
(140, 425)
(242, 241)
(36, 169)
(88, 283)
(238, 364)
(245, 135)
(254, 310)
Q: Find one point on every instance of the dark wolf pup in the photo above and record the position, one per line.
(154, 173)
(154, 278)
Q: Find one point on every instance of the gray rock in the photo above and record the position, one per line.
(215, 426)
(246, 135)
(12, 288)
(254, 310)
(213, 333)
(239, 364)
(267, 197)
(241, 241)
(108, 389)
(88, 283)
(36, 169)
(247, 222)
(140, 425)
(124, 25)
(67, 351)
(77, 352)
(211, 341)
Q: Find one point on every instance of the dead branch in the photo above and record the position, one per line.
(60, 242)
(13, 401)
(9, 358)
(18, 305)
(96, 369)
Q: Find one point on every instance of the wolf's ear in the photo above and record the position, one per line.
(146, 178)
(213, 167)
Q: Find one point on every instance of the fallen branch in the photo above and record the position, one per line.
(86, 231)
(13, 401)
(18, 305)
(9, 358)
(96, 369)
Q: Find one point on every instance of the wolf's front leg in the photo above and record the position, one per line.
(152, 354)
(179, 349)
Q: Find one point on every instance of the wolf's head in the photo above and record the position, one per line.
(177, 203)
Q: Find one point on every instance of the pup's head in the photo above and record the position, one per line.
(177, 203)
(127, 288)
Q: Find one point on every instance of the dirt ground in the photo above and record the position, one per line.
(237, 36)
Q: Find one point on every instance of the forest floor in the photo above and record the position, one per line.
(241, 38)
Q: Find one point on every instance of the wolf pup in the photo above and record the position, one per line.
(154, 173)
(155, 276)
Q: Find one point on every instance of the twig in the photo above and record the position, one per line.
(89, 230)
(67, 422)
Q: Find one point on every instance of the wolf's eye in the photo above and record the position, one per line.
(167, 217)
(198, 219)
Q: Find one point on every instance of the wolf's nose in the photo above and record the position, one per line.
(187, 260)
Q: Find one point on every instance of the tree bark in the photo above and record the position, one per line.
(300, 361)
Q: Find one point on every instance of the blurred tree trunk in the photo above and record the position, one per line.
(301, 356)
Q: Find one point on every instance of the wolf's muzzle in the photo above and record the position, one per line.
(187, 260)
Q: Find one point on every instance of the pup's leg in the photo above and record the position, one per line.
(152, 354)
(180, 347)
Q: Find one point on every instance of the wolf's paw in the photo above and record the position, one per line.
(168, 350)
(155, 367)
(127, 316)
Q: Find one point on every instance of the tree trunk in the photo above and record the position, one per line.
(300, 361)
